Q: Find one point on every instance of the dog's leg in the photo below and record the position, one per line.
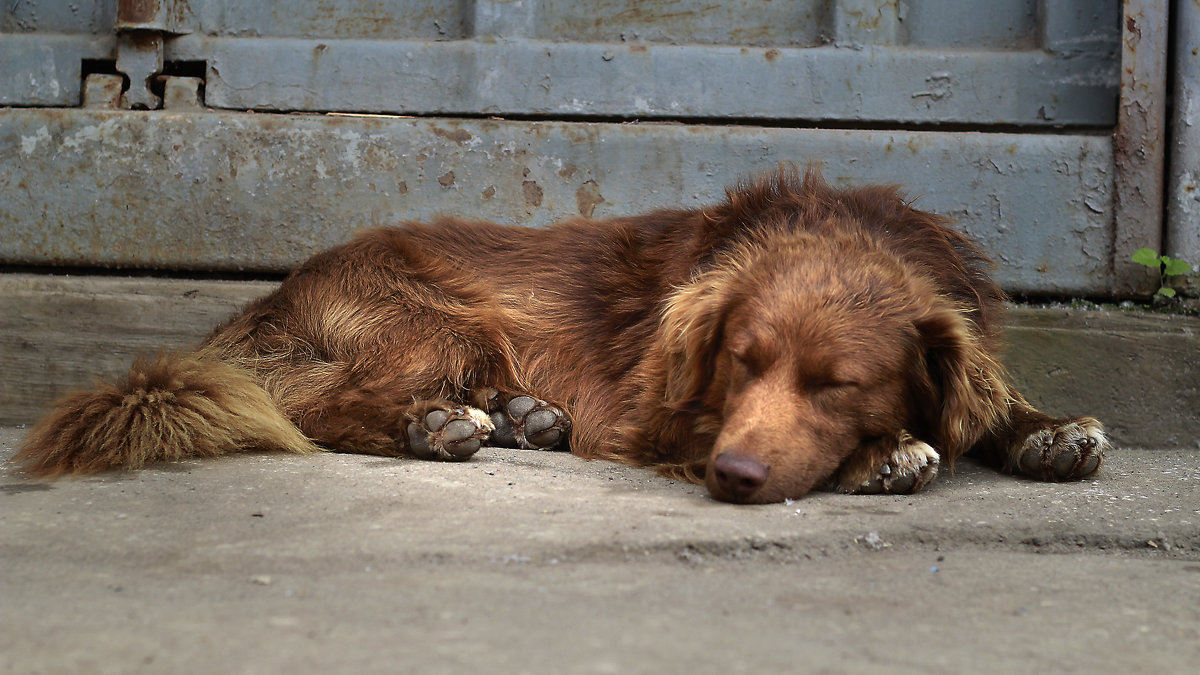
(522, 421)
(897, 464)
(1044, 447)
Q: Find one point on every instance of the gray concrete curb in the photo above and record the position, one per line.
(1138, 372)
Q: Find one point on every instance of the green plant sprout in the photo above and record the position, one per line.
(1167, 267)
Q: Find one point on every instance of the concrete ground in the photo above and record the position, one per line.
(521, 561)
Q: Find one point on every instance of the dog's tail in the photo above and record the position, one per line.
(169, 407)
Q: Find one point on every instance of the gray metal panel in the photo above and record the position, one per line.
(975, 25)
(57, 16)
(938, 61)
(45, 69)
(332, 19)
(543, 78)
(996, 24)
(1140, 145)
(1183, 184)
(1081, 28)
(757, 23)
(236, 191)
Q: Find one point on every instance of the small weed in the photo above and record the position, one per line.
(1167, 267)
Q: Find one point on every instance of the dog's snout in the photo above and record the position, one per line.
(738, 477)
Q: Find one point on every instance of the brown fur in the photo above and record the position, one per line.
(805, 329)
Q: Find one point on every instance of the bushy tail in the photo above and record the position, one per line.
(170, 407)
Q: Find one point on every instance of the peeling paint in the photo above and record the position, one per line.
(29, 144)
(532, 192)
(459, 136)
(587, 197)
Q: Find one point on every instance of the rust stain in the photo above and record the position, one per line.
(136, 11)
(489, 192)
(637, 48)
(533, 192)
(373, 19)
(102, 91)
(459, 136)
(587, 197)
(772, 54)
(1132, 27)
(446, 179)
(402, 187)
(568, 171)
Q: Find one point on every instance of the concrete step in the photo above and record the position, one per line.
(1137, 371)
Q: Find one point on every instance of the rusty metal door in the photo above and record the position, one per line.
(236, 135)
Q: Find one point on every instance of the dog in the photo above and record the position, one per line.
(792, 337)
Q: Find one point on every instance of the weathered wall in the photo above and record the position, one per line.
(231, 191)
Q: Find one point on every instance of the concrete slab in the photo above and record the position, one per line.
(520, 561)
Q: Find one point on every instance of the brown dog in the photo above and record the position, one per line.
(793, 337)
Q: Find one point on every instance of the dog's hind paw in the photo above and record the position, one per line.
(526, 422)
(449, 434)
(1068, 450)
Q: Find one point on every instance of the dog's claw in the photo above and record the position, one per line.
(909, 469)
(871, 487)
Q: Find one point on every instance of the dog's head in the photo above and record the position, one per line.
(799, 353)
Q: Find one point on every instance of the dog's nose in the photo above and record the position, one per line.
(738, 476)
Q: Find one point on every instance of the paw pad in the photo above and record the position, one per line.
(1066, 452)
(449, 434)
(527, 422)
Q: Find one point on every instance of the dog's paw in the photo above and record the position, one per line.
(449, 434)
(909, 468)
(1067, 450)
(527, 422)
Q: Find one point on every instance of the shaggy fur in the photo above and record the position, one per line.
(793, 337)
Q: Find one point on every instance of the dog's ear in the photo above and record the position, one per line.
(690, 338)
(961, 385)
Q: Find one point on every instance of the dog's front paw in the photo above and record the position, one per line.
(449, 434)
(530, 423)
(1067, 450)
(906, 470)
